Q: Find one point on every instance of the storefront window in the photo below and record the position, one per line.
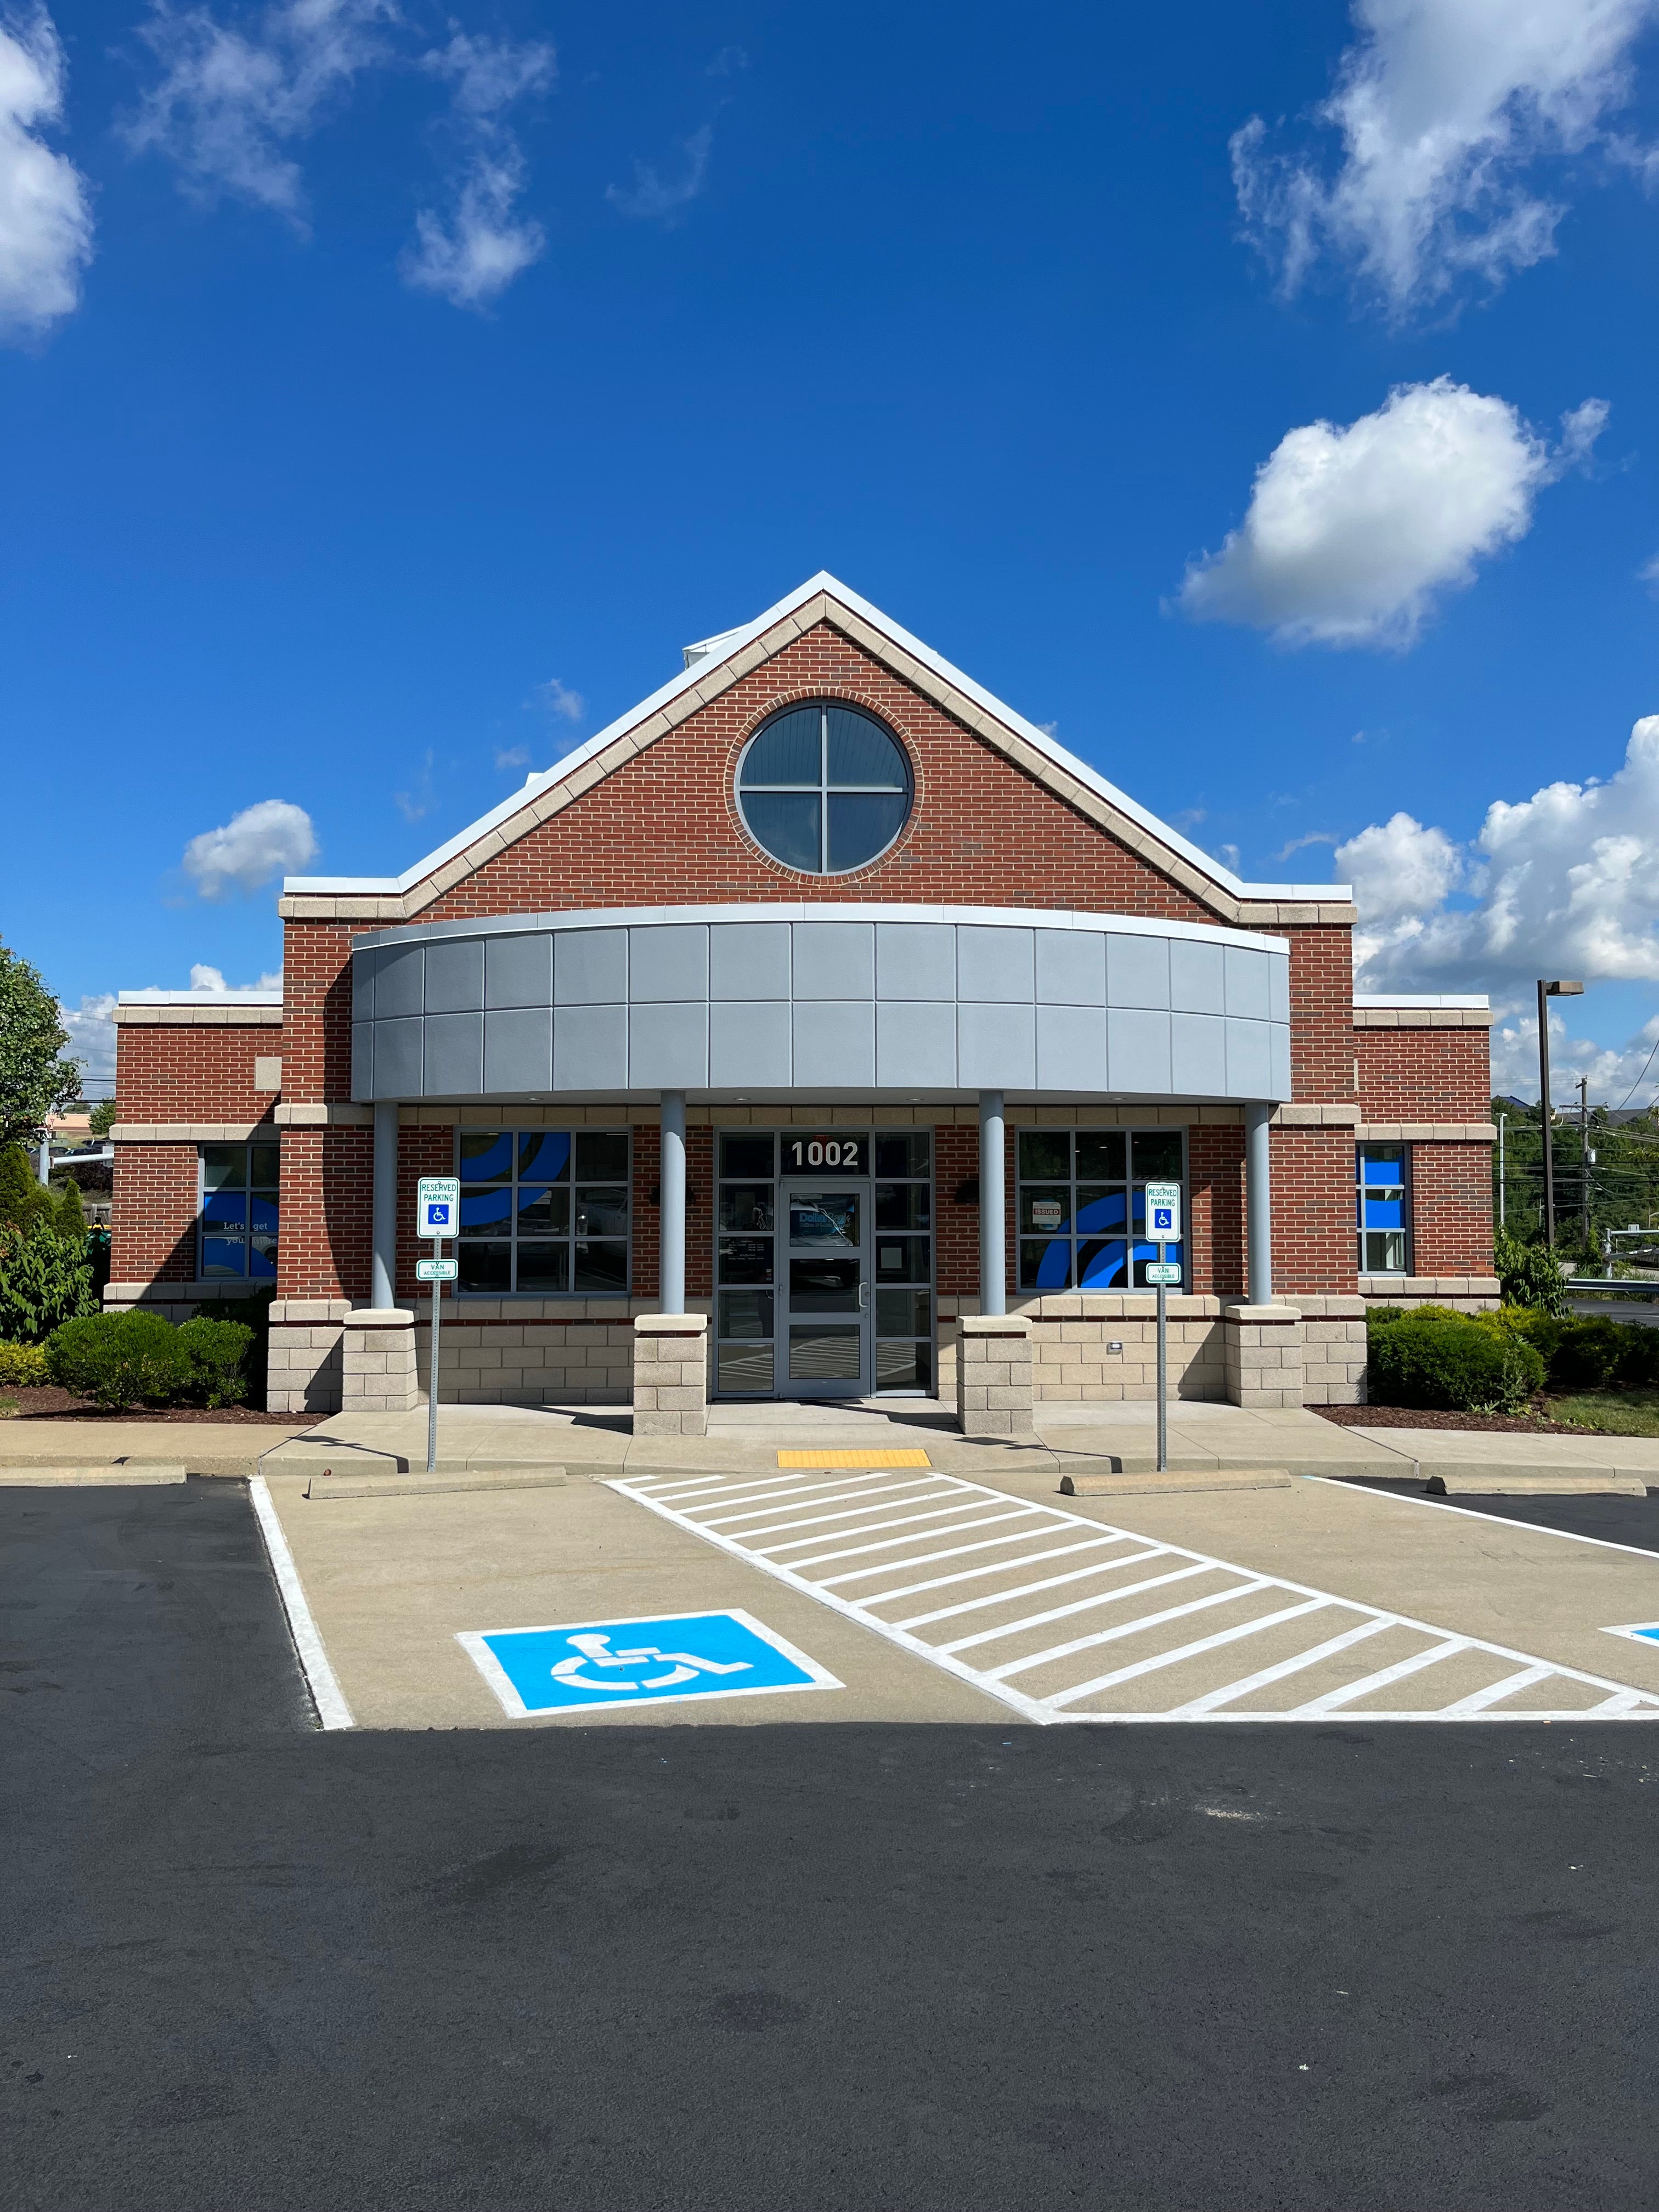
(237, 1235)
(1379, 1202)
(1081, 1206)
(543, 1212)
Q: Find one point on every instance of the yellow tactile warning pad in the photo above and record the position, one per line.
(853, 1459)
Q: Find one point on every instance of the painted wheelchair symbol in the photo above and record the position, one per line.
(595, 1651)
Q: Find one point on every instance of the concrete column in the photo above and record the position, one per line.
(1259, 1206)
(992, 1238)
(383, 1267)
(671, 1211)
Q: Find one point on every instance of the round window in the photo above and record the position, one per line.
(823, 788)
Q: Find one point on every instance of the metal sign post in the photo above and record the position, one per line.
(1163, 1227)
(437, 1215)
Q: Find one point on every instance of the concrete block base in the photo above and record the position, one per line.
(671, 1375)
(1262, 1353)
(303, 1366)
(377, 1363)
(993, 1375)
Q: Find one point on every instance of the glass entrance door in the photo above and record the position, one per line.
(826, 1288)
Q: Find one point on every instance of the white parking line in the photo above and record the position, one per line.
(326, 1695)
(894, 1523)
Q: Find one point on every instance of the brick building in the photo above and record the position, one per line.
(731, 1016)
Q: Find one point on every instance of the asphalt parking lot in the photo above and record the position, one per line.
(917, 1965)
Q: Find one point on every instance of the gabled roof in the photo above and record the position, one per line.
(718, 662)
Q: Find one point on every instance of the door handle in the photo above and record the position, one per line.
(864, 1296)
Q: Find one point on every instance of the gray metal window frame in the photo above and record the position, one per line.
(555, 1129)
(1132, 1182)
(823, 787)
(872, 1135)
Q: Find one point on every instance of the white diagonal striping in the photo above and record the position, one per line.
(1265, 1677)
(894, 1524)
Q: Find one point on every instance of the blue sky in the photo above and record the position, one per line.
(390, 394)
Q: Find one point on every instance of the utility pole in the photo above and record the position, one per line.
(1585, 1159)
(1545, 993)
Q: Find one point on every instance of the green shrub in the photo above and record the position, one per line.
(1586, 1355)
(1451, 1363)
(22, 1367)
(1638, 1367)
(217, 1351)
(44, 1281)
(1381, 1317)
(1528, 1275)
(121, 1359)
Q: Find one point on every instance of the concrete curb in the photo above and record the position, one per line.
(1172, 1481)
(1532, 1482)
(546, 1478)
(110, 1477)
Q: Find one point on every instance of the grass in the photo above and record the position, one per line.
(7, 1407)
(1613, 1413)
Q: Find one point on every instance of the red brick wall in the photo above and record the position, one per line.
(1451, 1209)
(1322, 1012)
(317, 1012)
(664, 828)
(1215, 1202)
(327, 1211)
(1316, 1247)
(1425, 1075)
(193, 1070)
(956, 1226)
(152, 1213)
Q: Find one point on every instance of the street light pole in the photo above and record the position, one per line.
(1545, 993)
(1502, 1119)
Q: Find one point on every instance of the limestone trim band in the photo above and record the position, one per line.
(189, 1133)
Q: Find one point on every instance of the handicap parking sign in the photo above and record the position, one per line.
(603, 1666)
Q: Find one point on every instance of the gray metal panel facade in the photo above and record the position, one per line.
(741, 1003)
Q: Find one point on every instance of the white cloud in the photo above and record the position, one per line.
(230, 101)
(1444, 108)
(1351, 531)
(654, 197)
(508, 757)
(263, 840)
(45, 216)
(559, 699)
(471, 253)
(1565, 882)
(92, 1039)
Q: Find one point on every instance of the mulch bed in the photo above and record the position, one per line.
(47, 1402)
(1411, 1417)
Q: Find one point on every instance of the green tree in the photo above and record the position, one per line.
(34, 1081)
(71, 1214)
(21, 1198)
(43, 1282)
(103, 1117)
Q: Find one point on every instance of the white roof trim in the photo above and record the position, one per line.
(1416, 998)
(198, 999)
(732, 642)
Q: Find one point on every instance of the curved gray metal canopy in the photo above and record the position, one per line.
(820, 1002)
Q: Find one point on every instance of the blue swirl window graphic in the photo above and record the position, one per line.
(1077, 1229)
